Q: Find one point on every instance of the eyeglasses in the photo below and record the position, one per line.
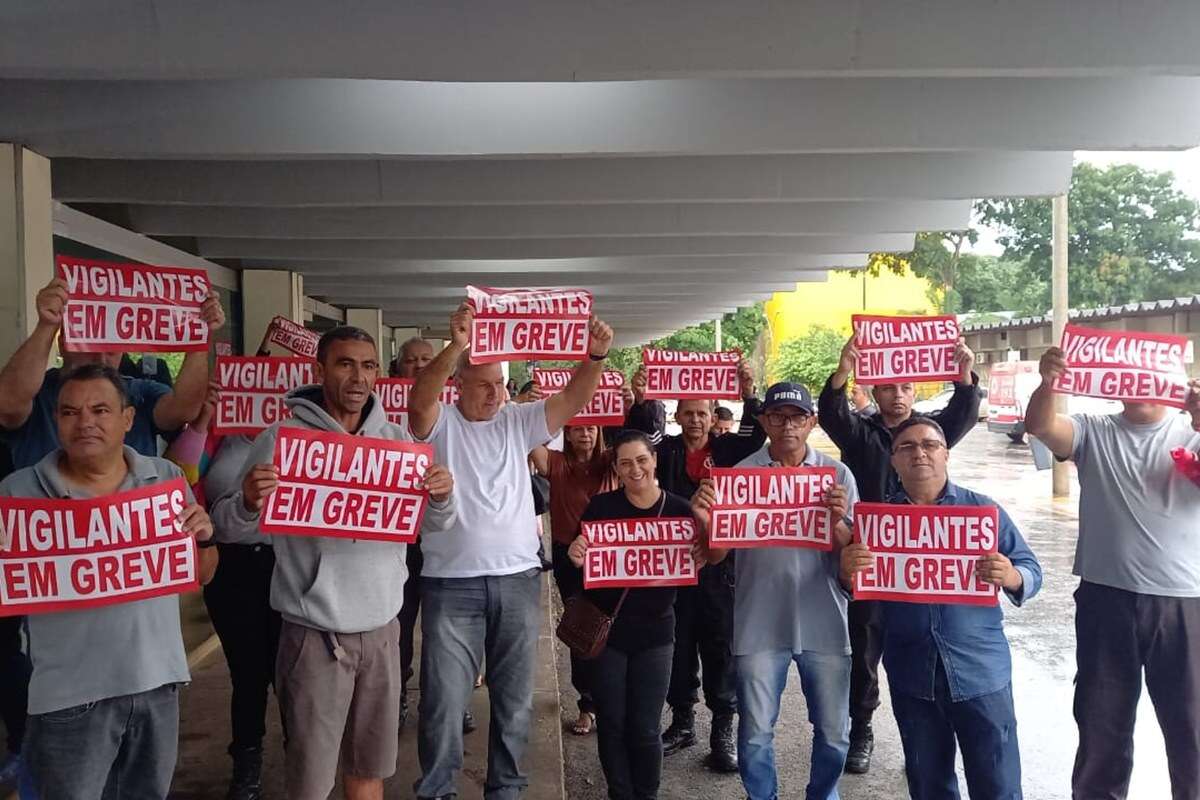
(782, 420)
(909, 449)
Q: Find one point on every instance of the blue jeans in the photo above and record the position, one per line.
(825, 681)
(120, 748)
(462, 621)
(986, 730)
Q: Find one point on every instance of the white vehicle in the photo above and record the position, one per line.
(1010, 385)
(942, 399)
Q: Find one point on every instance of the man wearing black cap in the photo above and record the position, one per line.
(866, 445)
(789, 608)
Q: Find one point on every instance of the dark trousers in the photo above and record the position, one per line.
(408, 614)
(704, 638)
(1118, 634)
(629, 689)
(569, 579)
(985, 729)
(15, 670)
(865, 621)
(239, 604)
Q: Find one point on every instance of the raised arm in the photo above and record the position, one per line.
(583, 384)
(1041, 420)
(962, 412)
(22, 376)
(181, 405)
(833, 411)
(423, 401)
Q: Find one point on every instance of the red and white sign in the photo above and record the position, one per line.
(1122, 365)
(630, 553)
(679, 375)
(294, 338)
(132, 307)
(65, 555)
(905, 349)
(252, 390)
(772, 507)
(349, 487)
(393, 396)
(925, 554)
(607, 406)
(525, 324)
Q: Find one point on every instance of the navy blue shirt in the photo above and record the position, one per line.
(968, 639)
(30, 443)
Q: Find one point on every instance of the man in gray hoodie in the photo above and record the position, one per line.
(338, 669)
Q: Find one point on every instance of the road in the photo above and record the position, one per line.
(1043, 646)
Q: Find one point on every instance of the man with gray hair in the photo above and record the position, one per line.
(415, 355)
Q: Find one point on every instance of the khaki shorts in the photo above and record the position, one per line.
(330, 705)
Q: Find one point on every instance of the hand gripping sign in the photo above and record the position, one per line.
(772, 507)
(349, 487)
(642, 552)
(393, 396)
(65, 555)
(679, 375)
(607, 406)
(294, 338)
(925, 554)
(1122, 365)
(252, 390)
(529, 324)
(119, 307)
(905, 349)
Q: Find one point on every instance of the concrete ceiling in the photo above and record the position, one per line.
(680, 158)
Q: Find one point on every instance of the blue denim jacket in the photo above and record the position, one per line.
(969, 639)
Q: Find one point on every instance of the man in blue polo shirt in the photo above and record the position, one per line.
(28, 391)
(948, 666)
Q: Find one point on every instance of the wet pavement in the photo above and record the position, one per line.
(1043, 646)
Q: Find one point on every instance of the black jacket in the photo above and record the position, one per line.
(866, 443)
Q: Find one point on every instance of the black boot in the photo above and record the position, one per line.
(681, 733)
(246, 783)
(403, 710)
(862, 744)
(723, 743)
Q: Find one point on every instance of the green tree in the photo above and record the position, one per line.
(809, 359)
(936, 256)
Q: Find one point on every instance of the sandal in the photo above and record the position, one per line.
(585, 724)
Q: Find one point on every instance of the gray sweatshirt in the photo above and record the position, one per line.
(326, 583)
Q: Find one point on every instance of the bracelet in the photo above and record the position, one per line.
(209, 542)
(595, 357)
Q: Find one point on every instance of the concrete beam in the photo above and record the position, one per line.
(400, 284)
(861, 176)
(476, 270)
(575, 40)
(530, 222)
(258, 119)
(339, 250)
(415, 295)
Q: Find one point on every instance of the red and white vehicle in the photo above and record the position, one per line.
(1010, 385)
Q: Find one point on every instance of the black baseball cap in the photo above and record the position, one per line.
(788, 394)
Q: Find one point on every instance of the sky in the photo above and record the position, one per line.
(1185, 164)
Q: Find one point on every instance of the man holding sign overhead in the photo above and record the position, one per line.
(481, 583)
(107, 652)
(1138, 554)
(947, 659)
(346, 489)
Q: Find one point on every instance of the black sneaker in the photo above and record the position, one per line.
(862, 744)
(403, 710)
(246, 783)
(722, 741)
(681, 733)
(469, 725)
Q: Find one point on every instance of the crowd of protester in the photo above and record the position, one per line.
(90, 698)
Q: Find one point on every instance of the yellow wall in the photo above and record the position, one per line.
(791, 314)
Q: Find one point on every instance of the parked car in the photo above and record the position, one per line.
(942, 399)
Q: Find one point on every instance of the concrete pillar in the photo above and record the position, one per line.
(371, 321)
(1061, 474)
(266, 294)
(26, 241)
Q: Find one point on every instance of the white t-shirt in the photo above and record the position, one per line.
(496, 531)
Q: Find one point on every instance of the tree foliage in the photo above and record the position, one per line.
(809, 359)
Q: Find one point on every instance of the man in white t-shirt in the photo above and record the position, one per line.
(481, 580)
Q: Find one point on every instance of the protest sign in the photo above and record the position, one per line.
(252, 390)
(294, 338)
(1124, 365)
(925, 554)
(679, 375)
(393, 396)
(648, 551)
(132, 307)
(905, 349)
(607, 406)
(66, 555)
(349, 487)
(772, 507)
(527, 324)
